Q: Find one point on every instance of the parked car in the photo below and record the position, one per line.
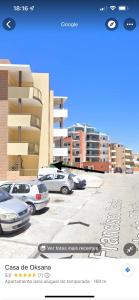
(58, 182)
(129, 171)
(79, 183)
(46, 171)
(34, 193)
(118, 170)
(14, 214)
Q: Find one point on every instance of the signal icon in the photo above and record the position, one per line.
(103, 8)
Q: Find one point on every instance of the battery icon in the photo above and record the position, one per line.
(122, 7)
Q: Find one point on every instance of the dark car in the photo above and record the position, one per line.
(118, 170)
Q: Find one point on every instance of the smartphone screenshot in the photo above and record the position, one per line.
(69, 150)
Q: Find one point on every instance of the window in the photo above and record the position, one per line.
(47, 177)
(59, 176)
(42, 188)
(4, 196)
(21, 189)
(77, 153)
(77, 159)
(94, 159)
(6, 187)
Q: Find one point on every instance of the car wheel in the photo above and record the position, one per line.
(65, 190)
(1, 231)
(32, 208)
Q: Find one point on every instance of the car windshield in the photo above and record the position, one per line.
(72, 175)
(4, 196)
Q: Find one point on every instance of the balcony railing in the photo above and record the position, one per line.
(76, 146)
(35, 121)
(75, 153)
(60, 132)
(96, 147)
(23, 120)
(22, 148)
(60, 113)
(15, 92)
(90, 130)
(58, 151)
(37, 94)
(92, 138)
(92, 155)
(33, 149)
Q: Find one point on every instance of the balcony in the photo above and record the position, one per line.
(23, 148)
(128, 153)
(59, 99)
(93, 147)
(60, 152)
(93, 138)
(25, 93)
(76, 146)
(90, 130)
(92, 155)
(76, 154)
(75, 138)
(60, 132)
(60, 113)
(24, 120)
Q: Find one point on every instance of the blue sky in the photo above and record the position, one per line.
(97, 69)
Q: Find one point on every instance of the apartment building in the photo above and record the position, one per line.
(121, 156)
(60, 152)
(27, 117)
(87, 147)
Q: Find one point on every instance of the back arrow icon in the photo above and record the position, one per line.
(9, 24)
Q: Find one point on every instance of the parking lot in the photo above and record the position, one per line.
(106, 212)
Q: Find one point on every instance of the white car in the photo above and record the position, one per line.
(79, 182)
(46, 171)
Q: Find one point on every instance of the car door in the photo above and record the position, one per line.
(49, 181)
(21, 191)
(59, 181)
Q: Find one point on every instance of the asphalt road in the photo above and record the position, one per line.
(108, 209)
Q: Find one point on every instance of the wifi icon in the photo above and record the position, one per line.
(112, 7)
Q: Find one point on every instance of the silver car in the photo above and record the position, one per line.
(129, 171)
(34, 193)
(14, 214)
(58, 182)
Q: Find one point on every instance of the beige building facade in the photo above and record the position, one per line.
(26, 121)
(120, 156)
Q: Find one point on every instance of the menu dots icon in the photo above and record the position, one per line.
(130, 24)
